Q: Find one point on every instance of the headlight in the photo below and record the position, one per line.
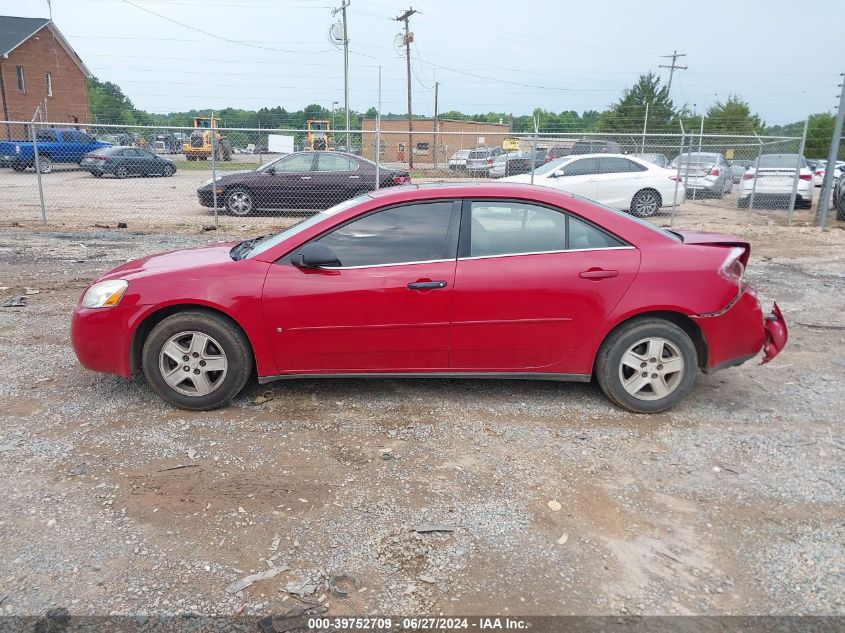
(105, 294)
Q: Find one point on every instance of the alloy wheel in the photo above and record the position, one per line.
(193, 363)
(240, 202)
(651, 369)
(645, 204)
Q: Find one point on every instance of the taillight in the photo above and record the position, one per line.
(806, 176)
(676, 178)
(733, 269)
(715, 172)
(489, 161)
(401, 180)
(99, 157)
(748, 176)
(819, 172)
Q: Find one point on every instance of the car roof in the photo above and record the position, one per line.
(467, 190)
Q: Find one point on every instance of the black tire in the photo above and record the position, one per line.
(96, 174)
(742, 203)
(610, 369)
(234, 346)
(18, 166)
(646, 203)
(239, 201)
(840, 214)
(121, 172)
(45, 164)
(168, 170)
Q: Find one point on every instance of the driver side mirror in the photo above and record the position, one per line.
(557, 174)
(315, 255)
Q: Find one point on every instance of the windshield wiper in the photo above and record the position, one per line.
(239, 251)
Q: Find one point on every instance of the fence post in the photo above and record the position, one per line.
(534, 147)
(38, 166)
(378, 133)
(213, 170)
(677, 181)
(797, 174)
(827, 184)
(645, 126)
(756, 167)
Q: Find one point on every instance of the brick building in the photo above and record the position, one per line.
(38, 67)
(453, 134)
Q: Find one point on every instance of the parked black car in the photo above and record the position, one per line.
(126, 161)
(588, 146)
(302, 180)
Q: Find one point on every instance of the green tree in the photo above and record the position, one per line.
(819, 136)
(108, 104)
(628, 114)
(734, 116)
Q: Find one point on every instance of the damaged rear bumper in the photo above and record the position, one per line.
(738, 332)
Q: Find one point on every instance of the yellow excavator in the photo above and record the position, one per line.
(198, 146)
(318, 137)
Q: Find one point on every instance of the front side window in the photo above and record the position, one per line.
(582, 167)
(21, 79)
(507, 228)
(46, 136)
(295, 163)
(403, 234)
(335, 162)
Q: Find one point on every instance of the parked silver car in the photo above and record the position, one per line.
(705, 174)
(658, 159)
(480, 160)
(458, 160)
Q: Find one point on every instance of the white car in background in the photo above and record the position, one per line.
(775, 179)
(615, 180)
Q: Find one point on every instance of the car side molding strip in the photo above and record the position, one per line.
(493, 375)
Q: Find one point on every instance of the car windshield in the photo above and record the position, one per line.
(787, 161)
(551, 165)
(623, 214)
(105, 151)
(271, 240)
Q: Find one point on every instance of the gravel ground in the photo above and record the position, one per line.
(732, 503)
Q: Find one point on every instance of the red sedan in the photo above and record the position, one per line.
(475, 281)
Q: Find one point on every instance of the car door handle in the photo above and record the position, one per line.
(355, 177)
(427, 285)
(305, 177)
(598, 273)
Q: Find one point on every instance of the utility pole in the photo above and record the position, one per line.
(436, 86)
(824, 201)
(342, 9)
(408, 39)
(674, 66)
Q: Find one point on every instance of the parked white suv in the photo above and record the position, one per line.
(622, 182)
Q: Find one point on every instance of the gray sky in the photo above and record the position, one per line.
(782, 56)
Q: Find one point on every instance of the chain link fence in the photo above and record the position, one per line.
(205, 175)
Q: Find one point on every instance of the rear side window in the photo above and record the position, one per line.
(403, 234)
(584, 236)
(335, 162)
(616, 165)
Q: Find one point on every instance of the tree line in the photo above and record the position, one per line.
(108, 104)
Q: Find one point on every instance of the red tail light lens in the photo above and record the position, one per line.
(806, 176)
(748, 176)
(401, 180)
(715, 172)
(489, 161)
(95, 157)
(733, 269)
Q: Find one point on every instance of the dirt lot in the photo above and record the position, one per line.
(76, 199)
(733, 503)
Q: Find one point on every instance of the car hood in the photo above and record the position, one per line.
(227, 177)
(182, 261)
